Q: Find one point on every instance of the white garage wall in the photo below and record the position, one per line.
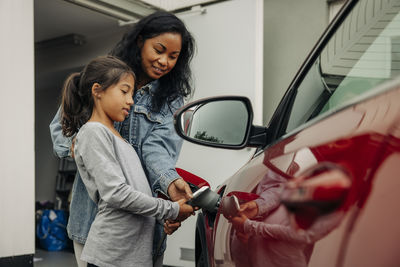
(17, 157)
(228, 62)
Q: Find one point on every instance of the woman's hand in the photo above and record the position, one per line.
(249, 209)
(179, 189)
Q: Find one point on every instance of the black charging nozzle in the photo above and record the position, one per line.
(206, 199)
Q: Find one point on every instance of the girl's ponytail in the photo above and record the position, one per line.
(77, 101)
(76, 105)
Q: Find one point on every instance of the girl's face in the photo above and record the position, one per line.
(160, 54)
(117, 100)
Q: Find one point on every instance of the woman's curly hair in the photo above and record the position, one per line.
(176, 83)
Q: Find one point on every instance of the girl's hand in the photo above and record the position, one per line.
(244, 238)
(72, 147)
(185, 210)
(170, 227)
(238, 222)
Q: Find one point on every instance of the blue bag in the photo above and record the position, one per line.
(51, 230)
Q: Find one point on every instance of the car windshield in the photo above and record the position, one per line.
(363, 53)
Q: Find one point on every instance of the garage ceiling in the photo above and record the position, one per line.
(172, 5)
(54, 18)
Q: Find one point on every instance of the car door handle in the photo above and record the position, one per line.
(321, 190)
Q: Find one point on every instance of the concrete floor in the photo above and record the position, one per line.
(65, 258)
(44, 258)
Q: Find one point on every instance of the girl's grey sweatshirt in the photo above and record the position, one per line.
(122, 232)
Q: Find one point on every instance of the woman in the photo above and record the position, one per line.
(159, 49)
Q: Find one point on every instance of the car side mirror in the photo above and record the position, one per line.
(224, 122)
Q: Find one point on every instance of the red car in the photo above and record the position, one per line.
(323, 185)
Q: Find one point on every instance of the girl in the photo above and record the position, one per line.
(122, 231)
(159, 49)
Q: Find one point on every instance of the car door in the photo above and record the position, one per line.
(327, 180)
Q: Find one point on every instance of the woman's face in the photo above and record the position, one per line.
(160, 54)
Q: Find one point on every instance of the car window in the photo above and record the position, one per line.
(364, 52)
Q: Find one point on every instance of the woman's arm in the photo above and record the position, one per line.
(61, 144)
(160, 151)
(270, 190)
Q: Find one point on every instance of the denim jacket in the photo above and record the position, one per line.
(156, 142)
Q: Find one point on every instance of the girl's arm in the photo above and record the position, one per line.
(102, 174)
(320, 228)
